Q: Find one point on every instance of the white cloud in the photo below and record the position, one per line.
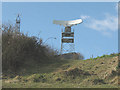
(106, 26)
(116, 7)
(84, 17)
(109, 23)
(108, 34)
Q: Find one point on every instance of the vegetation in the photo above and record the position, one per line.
(19, 49)
(29, 64)
(96, 73)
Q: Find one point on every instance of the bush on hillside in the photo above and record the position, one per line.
(18, 49)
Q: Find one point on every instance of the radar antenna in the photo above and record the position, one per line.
(67, 36)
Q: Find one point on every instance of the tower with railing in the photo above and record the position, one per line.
(67, 36)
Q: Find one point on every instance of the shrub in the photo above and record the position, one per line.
(98, 81)
(19, 49)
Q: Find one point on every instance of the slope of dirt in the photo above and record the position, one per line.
(98, 72)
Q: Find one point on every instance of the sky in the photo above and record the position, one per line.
(97, 35)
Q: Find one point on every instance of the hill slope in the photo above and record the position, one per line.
(98, 72)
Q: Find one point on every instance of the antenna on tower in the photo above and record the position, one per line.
(18, 23)
(67, 38)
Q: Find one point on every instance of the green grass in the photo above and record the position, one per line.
(99, 72)
(56, 85)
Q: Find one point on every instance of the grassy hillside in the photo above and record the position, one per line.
(100, 72)
(27, 62)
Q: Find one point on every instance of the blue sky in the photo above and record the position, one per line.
(97, 35)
